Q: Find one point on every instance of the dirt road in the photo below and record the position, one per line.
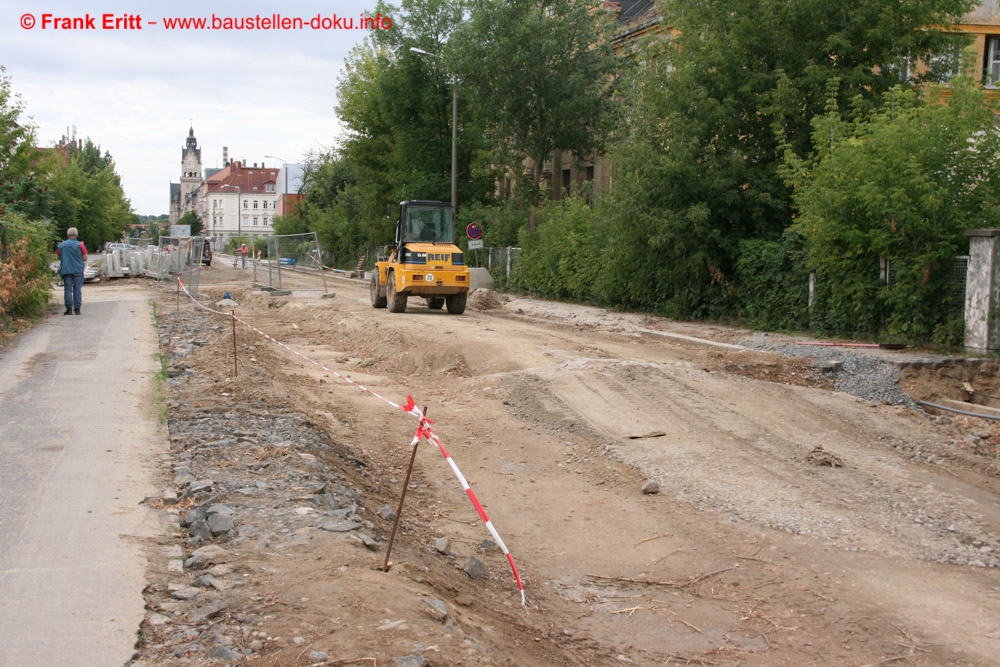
(758, 549)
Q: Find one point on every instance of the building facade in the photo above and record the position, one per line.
(238, 201)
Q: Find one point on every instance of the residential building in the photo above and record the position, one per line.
(239, 200)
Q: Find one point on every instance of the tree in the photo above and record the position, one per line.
(541, 73)
(22, 187)
(87, 194)
(900, 183)
(709, 114)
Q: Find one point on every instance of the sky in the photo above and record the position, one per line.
(135, 91)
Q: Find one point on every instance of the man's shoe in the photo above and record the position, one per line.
(76, 310)
(69, 311)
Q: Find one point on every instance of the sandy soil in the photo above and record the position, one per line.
(752, 553)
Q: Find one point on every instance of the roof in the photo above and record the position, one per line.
(192, 145)
(237, 177)
(632, 9)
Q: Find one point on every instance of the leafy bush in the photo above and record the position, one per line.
(899, 184)
(774, 282)
(563, 257)
(25, 279)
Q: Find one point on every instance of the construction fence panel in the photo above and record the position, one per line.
(501, 263)
(300, 253)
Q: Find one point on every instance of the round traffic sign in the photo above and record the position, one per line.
(474, 231)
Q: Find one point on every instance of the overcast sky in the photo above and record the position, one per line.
(136, 92)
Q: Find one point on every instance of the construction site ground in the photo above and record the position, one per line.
(793, 525)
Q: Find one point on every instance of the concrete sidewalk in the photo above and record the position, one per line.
(79, 450)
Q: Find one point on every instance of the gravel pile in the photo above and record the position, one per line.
(859, 374)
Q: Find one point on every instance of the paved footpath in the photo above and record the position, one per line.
(79, 450)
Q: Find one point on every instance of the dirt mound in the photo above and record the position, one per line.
(485, 299)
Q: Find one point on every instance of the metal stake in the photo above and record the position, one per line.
(402, 498)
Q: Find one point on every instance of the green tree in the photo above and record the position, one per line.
(541, 73)
(709, 113)
(22, 185)
(900, 183)
(87, 194)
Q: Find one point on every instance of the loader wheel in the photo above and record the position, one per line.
(377, 301)
(456, 302)
(435, 303)
(397, 301)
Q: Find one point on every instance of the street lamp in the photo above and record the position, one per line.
(454, 133)
(285, 196)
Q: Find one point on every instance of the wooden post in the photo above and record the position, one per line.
(236, 366)
(402, 498)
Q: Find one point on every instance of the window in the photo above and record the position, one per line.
(590, 173)
(255, 221)
(246, 204)
(265, 206)
(246, 221)
(946, 65)
(255, 203)
(991, 72)
(566, 181)
(265, 221)
(269, 187)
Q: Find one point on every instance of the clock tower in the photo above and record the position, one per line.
(190, 172)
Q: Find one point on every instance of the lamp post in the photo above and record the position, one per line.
(285, 195)
(454, 133)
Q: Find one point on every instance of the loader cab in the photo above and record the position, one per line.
(424, 222)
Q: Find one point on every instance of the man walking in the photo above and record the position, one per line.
(72, 256)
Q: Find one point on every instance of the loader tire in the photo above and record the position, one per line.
(456, 302)
(435, 303)
(377, 300)
(397, 301)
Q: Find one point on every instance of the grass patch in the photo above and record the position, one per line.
(159, 400)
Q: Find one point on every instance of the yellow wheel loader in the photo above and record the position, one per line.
(423, 262)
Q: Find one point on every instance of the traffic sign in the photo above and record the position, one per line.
(474, 231)
(475, 244)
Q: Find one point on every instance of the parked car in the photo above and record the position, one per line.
(118, 246)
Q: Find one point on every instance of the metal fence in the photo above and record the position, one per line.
(176, 257)
(289, 252)
(501, 263)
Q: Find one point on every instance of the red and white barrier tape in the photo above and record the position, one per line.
(424, 431)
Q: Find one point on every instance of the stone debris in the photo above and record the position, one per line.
(243, 474)
(651, 487)
(820, 457)
(474, 568)
(436, 609)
